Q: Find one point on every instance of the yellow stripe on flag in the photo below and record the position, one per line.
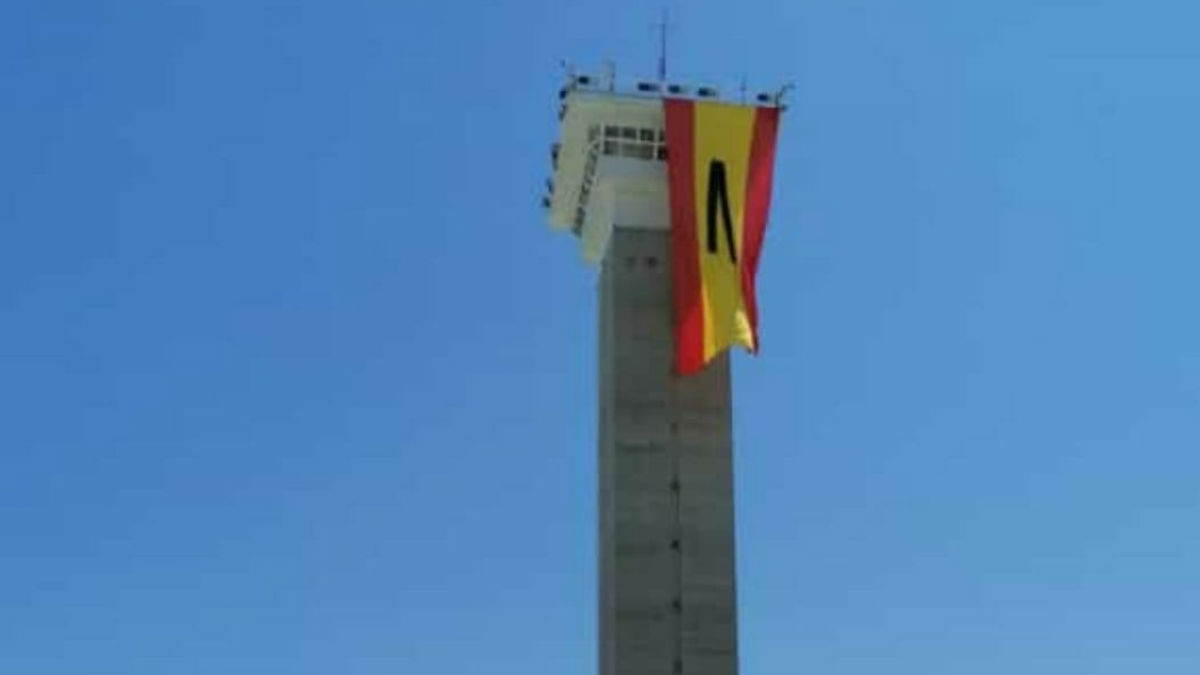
(722, 136)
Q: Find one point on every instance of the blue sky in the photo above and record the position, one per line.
(296, 379)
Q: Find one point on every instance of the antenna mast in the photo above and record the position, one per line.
(662, 47)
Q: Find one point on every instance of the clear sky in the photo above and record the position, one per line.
(294, 378)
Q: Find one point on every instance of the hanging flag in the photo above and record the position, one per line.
(720, 158)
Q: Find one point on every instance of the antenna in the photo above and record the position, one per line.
(781, 93)
(662, 45)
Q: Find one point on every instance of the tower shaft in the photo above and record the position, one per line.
(666, 531)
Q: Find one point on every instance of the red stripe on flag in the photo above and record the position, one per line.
(758, 202)
(685, 263)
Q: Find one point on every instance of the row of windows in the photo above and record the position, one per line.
(635, 150)
(635, 142)
(641, 134)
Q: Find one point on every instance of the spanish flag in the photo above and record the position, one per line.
(720, 158)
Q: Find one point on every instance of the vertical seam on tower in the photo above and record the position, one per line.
(677, 533)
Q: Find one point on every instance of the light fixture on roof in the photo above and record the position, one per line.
(676, 89)
(706, 92)
(647, 87)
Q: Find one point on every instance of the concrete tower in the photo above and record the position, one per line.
(668, 601)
